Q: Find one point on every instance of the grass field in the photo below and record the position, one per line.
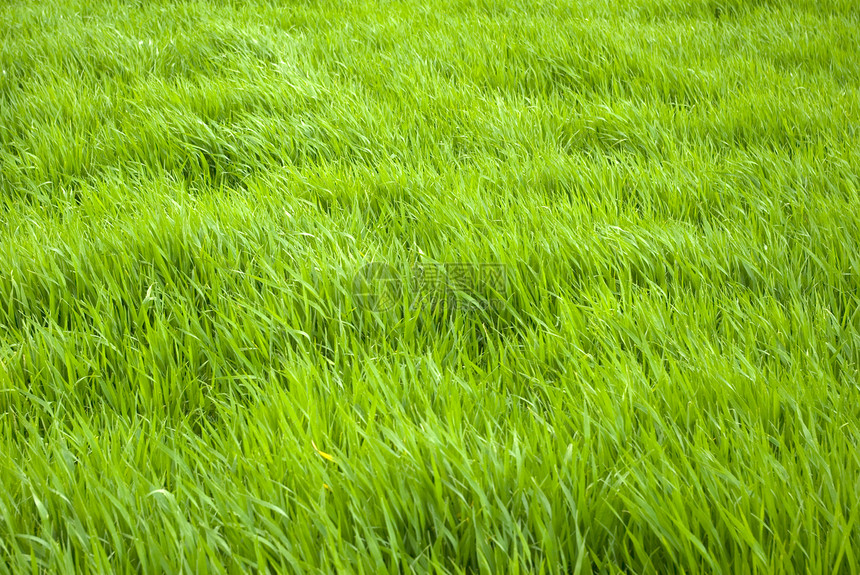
(191, 380)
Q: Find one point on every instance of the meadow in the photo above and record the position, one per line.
(190, 381)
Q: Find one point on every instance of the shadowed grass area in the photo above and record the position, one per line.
(189, 381)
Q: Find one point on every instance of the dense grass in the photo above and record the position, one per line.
(187, 381)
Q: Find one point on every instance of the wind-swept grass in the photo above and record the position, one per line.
(189, 382)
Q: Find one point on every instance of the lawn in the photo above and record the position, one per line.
(611, 321)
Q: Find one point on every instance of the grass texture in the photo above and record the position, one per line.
(670, 384)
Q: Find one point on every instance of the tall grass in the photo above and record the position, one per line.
(188, 381)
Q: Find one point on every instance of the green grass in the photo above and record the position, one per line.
(188, 382)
